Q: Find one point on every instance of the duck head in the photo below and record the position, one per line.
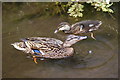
(72, 39)
(64, 26)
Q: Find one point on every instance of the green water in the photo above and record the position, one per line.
(22, 20)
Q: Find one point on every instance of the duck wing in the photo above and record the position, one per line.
(43, 40)
(49, 50)
(85, 26)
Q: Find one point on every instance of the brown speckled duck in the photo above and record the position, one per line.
(79, 27)
(42, 47)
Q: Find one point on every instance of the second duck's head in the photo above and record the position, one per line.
(64, 26)
(72, 39)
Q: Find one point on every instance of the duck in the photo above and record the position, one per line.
(48, 48)
(81, 27)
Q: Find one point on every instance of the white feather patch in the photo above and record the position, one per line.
(42, 52)
(90, 25)
(81, 27)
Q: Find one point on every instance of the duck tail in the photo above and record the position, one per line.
(24, 39)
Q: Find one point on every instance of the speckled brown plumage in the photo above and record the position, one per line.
(48, 47)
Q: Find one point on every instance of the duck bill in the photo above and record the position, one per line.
(56, 31)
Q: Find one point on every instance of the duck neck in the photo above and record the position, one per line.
(66, 45)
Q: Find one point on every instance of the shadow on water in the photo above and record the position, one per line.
(92, 58)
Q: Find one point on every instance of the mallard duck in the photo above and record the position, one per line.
(79, 27)
(42, 47)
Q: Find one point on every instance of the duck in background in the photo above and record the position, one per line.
(42, 47)
(79, 27)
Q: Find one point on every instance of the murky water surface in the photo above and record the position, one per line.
(26, 20)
